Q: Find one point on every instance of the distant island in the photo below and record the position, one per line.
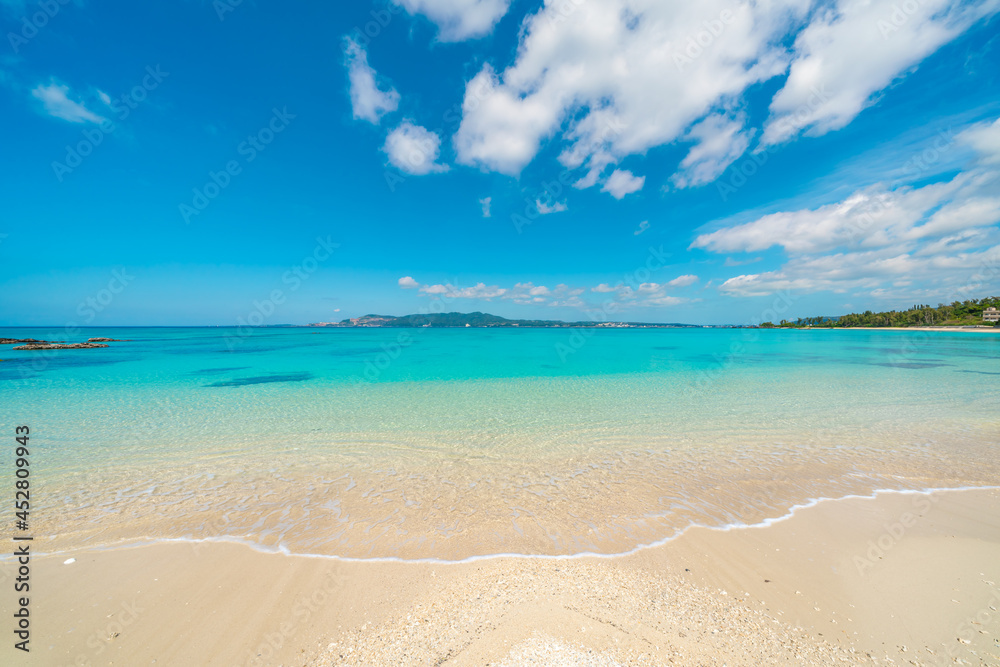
(973, 312)
(478, 319)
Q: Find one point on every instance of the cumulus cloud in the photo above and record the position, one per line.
(873, 217)
(683, 281)
(56, 102)
(935, 238)
(951, 273)
(609, 71)
(458, 20)
(562, 295)
(648, 293)
(622, 182)
(616, 78)
(414, 149)
(855, 48)
(984, 138)
(477, 291)
(720, 141)
(737, 262)
(545, 208)
(368, 101)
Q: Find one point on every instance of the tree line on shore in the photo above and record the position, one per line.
(957, 313)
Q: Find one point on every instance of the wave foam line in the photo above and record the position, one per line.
(284, 551)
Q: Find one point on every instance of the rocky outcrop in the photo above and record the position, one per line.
(16, 341)
(105, 340)
(60, 346)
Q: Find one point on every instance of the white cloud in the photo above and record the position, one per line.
(683, 281)
(499, 130)
(609, 70)
(736, 262)
(720, 141)
(545, 208)
(874, 217)
(55, 98)
(485, 203)
(414, 149)
(647, 294)
(616, 78)
(528, 293)
(449, 291)
(855, 48)
(368, 101)
(532, 289)
(459, 19)
(984, 138)
(622, 182)
(948, 273)
(936, 239)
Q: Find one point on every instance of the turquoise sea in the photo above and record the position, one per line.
(451, 443)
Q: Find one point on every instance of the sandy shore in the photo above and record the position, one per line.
(898, 579)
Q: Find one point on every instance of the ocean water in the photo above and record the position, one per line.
(453, 443)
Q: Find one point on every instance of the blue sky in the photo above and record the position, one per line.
(199, 162)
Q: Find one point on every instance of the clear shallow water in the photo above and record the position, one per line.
(447, 443)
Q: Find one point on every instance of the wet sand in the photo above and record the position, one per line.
(899, 579)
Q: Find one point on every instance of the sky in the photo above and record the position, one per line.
(720, 162)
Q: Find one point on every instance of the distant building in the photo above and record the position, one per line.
(991, 315)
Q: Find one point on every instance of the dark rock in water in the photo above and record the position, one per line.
(60, 346)
(105, 340)
(15, 341)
